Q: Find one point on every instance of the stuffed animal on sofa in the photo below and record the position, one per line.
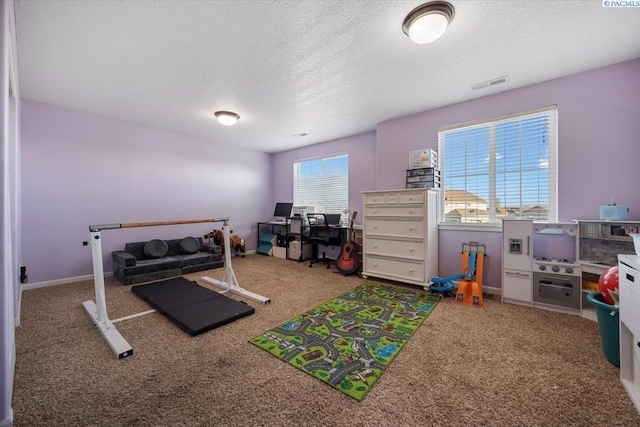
(236, 242)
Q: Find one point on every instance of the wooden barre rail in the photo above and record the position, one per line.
(153, 224)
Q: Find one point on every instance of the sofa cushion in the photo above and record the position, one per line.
(156, 248)
(189, 245)
(148, 277)
(152, 265)
(136, 249)
(122, 259)
(194, 259)
(174, 246)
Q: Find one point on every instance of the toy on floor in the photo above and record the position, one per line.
(442, 286)
(236, 242)
(608, 284)
(470, 289)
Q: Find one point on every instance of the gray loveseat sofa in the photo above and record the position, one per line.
(159, 259)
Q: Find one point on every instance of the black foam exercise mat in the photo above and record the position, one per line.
(193, 308)
(209, 314)
(168, 301)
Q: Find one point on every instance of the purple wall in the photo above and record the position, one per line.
(598, 151)
(598, 147)
(10, 252)
(362, 175)
(598, 136)
(80, 169)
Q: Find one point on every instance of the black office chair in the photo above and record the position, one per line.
(322, 233)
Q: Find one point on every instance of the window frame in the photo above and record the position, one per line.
(494, 219)
(323, 158)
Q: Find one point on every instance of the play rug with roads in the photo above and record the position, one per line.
(349, 341)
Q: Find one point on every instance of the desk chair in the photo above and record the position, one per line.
(323, 233)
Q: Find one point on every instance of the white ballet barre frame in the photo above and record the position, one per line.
(97, 310)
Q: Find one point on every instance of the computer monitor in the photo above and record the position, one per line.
(283, 210)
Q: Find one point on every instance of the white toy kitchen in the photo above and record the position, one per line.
(555, 265)
(539, 268)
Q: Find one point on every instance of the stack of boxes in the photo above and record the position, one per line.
(298, 250)
(423, 170)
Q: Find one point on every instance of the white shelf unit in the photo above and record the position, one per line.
(629, 283)
(400, 235)
(597, 250)
(587, 310)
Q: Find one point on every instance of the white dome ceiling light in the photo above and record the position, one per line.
(226, 118)
(426, 23)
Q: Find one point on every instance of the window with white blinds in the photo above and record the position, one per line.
(505, 167)
(322, 183)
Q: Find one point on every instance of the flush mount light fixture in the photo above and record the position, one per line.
(226, 118)
(426, 23)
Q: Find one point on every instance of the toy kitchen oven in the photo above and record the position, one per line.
(557, 282)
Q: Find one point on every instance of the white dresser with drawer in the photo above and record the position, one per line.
(400, 235)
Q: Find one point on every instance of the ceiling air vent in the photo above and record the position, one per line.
(488, 83)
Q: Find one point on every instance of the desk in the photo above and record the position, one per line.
(284, 229)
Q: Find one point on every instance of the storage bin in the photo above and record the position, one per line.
(609, 324)
(279, 252)
(423, 158)
(299, 251)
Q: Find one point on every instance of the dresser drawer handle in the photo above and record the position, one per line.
(410, 212)
(375, 211)
(410, 228)
(411, 270)
(375, 227)
(375, 246)
(410, 249)
(375, 264)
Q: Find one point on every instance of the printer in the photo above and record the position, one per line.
(301, 211)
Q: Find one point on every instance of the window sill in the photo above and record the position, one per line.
(490, 228)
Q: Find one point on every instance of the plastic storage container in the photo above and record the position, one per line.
(609, 324)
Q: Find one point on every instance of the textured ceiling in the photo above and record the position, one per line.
(327, 68)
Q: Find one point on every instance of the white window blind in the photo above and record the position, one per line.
(322, 183)
(505, 167)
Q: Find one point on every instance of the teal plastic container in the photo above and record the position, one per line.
(609, 324)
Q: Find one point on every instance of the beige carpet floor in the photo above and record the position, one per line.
(496, 365)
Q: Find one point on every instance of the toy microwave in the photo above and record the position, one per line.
(614, 213)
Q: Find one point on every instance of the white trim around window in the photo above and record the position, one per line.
(322, 183)
(499, 168)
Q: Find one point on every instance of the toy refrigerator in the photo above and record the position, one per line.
(517, 254)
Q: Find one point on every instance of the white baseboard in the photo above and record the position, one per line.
(64, 281)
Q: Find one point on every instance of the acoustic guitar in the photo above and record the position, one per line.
(347, 261)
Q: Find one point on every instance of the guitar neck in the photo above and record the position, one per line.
(351, 222)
